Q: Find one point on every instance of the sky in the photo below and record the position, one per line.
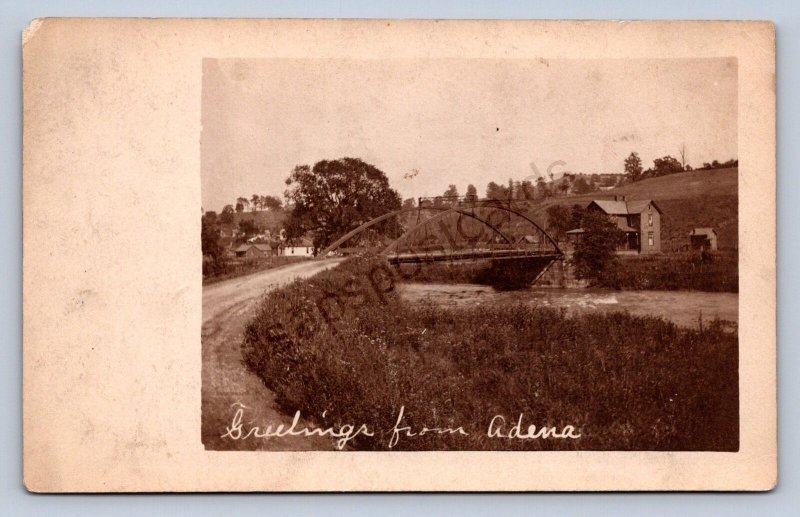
(428, 123)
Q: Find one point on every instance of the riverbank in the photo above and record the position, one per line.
(346, 345)
(685, 271)
(685, 308)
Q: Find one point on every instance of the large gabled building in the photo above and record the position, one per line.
(639, 219)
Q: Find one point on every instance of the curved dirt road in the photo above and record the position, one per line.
(227, 307)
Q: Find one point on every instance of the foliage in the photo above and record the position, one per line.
(717, 165)
(344, 343)
(226, 217)
(209, 237)
(666, 165)
(248, 228)
(271, 202)
(633, 166)
(336, 196)
(581, 186)
(503, 275)
(559, 221)
(595, 250)
(716, 272)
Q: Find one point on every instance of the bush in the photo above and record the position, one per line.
(344, 343)
(716, 272)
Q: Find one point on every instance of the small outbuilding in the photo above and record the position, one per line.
(704, 239)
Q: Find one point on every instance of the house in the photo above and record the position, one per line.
(299, 248)
(704, 239)
(254, 251)
(639, 219)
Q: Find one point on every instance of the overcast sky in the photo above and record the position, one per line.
(456, 121)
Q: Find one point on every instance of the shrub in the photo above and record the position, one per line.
(718, 272)
(344, 343)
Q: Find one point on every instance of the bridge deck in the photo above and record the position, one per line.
(458, 255)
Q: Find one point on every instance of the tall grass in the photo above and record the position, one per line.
(674, 272)
(239, 267)
(344, 343)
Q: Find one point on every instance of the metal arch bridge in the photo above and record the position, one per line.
(459, 245)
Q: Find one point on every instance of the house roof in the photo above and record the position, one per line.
(613, 207)
(703, 231)
(300, 243)
(263, 247)
(243, 247)
(576, 231)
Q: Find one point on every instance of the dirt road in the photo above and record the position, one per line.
(227, 307)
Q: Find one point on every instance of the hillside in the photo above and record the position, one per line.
(688, 199)
(272, 220)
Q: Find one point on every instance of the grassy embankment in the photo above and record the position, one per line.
(234, 268)
(345, 343)
(674, 272)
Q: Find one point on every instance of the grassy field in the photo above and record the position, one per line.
(343, 343)
(235, 268)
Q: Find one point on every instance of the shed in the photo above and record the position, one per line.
(703, 239)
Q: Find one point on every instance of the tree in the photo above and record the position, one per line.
(452, 191)
(564, 188)
(226, 217)
(211, 217)
(541, 185)
(255, 202)
(408, 203)
(682, 152)
(581, 186)
(336, 196)
(576, 216)
(559, 221)
(271, 202)
(248, 228)
(595, 251)
(633, 166)
(209, 239)
(524, 190)
(666, 165)
(493, 191)
(472, 192)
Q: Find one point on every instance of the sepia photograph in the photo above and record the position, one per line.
(468, 254)
(365, 255)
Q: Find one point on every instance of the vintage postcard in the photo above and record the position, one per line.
(325, 255)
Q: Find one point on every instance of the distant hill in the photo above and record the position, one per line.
(688, 200)
(272, 220)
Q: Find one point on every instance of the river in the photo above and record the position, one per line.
(685, 308)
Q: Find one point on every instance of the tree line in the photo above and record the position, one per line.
(668, 165)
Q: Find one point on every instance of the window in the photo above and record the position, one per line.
(650, 238)
(649, 219)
